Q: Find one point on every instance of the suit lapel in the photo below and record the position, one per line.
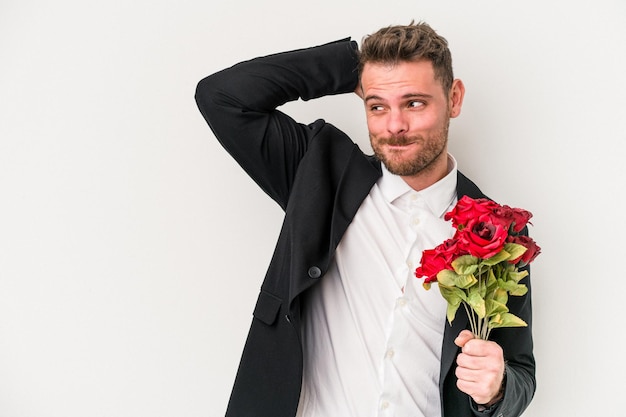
(355, 184)
(358, 173)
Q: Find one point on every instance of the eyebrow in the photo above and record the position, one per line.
(405, 97)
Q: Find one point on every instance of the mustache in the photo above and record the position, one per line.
(398, 140)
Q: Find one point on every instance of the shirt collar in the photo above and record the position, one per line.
(438, 197)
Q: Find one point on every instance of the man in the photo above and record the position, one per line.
(341, 326)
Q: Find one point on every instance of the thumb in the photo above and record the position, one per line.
(463, 338)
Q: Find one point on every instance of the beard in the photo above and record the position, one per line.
(432, 149)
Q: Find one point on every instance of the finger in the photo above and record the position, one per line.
(463, 337)
(480, 386)
(466, 374)
(479, 395)
(466, 361)
(482, 348)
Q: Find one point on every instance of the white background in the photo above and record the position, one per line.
(132, 247)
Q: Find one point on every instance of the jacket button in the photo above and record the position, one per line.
(315, 272)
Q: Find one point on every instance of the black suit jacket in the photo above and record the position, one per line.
(319, 177)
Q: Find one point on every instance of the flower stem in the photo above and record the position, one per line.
(471, 317)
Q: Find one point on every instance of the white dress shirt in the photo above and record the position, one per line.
(372, 335)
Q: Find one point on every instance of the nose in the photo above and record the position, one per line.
(397, 122)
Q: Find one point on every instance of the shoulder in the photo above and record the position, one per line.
(329, 141)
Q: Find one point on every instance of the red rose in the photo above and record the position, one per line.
(483, 239)
(502, 215)
(468, 209)
(432, 262)
(520, 219)
(435, 260)
(510, 218)
(450, 250)
(532, 249)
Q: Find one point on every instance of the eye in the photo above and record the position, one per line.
(416, 104)
(376, 108)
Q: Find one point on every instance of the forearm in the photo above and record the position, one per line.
(262, 84)
(239, 104)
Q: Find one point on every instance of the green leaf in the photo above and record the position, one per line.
(520, 290)
(513, 287)
(466, 264)
(506, 320)
(494, 307)
(452, 295)
(477, 303)
(465, 281)
(491, 279)
(507, 285)
(518, 275)
(474, 291)
(503, 255)
(482, 289)
(501, 296)
(515, 250)
(451, 312)
(447, 277)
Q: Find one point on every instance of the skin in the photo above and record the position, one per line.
(480, 368)
(408, 113)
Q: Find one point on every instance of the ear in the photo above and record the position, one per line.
(455, 98)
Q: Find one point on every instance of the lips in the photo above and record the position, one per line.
(398, 141)
(399, 145)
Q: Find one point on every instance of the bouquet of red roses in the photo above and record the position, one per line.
(479, 267)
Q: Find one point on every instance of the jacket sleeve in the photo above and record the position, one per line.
(239, 104)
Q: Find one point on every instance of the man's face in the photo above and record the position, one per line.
(408, 114)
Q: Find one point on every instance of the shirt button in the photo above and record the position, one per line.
(416, 221)
(401, 302)
(390, 353)
(384, 405)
